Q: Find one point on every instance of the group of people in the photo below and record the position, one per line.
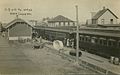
(37, 42)
(69, 42)
(37, 39)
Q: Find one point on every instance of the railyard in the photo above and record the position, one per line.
(61, 46)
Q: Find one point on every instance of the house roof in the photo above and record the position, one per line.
(60, 18)
(101, 12)
(14, 21)
(42, 23)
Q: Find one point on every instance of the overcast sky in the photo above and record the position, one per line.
(52, 8)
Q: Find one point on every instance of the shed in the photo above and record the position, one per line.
(19, 29)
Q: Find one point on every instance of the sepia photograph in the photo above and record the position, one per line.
(59, 37)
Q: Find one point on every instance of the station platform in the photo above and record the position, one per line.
(94, 62)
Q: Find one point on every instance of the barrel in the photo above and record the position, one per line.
(116, 61)
(112, 59)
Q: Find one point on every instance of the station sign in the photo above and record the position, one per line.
(19, 11)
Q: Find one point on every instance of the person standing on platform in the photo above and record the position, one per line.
(64, 41)
(68, 42)
(40, 39)
(72, 44)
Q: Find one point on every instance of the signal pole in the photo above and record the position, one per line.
(77, 35)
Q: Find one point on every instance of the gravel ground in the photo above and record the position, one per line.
(14, 62)
(52, 63)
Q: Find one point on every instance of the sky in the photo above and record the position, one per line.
(52, 8)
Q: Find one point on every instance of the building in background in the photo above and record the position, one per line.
(19, 29)
(104, 16)
(60, 21)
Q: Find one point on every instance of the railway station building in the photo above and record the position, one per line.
(19, 29)
(60, 21)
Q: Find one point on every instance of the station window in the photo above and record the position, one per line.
(66, 23)
(96, 40)
(111, 43)
(100, 42)
(62, 24)
(102, 21)
(93, 40)
(80, 38)
(57, 24)
(87, 39)
(119, 43)
(83, 38)
(21, 22)
(111, 21)
(104, 42)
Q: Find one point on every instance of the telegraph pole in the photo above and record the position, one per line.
(77, 35)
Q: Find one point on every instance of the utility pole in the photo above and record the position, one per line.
(77, 35)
